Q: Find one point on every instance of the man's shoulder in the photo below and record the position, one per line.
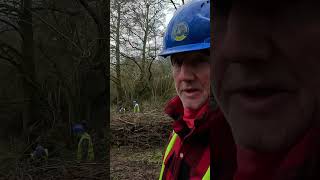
(216, 113)
(174, 107)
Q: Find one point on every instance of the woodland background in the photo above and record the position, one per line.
(54, 58)
(137, 73)
(63, 62)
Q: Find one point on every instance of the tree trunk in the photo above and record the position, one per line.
(142, 80)
(28, 62)
(118, 69)
(144, 48)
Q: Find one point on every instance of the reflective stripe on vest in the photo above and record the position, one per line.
(136, 108)
(207, 174)
(90, 155)
(170, 145)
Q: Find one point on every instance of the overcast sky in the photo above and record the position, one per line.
(168, 17)
(171, 10)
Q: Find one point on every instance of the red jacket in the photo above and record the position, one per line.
(299, 162)
(209, 143)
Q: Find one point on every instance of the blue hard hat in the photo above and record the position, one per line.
(39, 148)
(77, 128)
(39, 151)
(189, 29)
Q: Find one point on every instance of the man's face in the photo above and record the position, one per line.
(191, 74)
(266, 70)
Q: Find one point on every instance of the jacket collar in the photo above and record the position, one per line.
(174, 109)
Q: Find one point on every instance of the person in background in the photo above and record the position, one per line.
(85, 146)
(136, 107)
(201, 145)
(120, 107)
(266, 78)
(122, 110)
(39, 154)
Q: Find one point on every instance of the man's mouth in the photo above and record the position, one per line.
(259, 97)
(190, 91)
(257, 87)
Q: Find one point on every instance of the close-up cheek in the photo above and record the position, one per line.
(304, 56)
(216, 75)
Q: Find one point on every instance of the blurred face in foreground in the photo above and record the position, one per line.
(266, 70)
(191, 74)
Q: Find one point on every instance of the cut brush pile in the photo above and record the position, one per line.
(147, 129)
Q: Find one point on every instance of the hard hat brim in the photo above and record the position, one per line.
(78, 128)
(184, 48)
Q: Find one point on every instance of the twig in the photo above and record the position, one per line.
(126, 122)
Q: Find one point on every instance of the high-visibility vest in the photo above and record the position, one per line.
(85, 136)
(136, 108)
(206, 176)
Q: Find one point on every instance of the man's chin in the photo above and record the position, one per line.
(265, 137)
(266, 144)
(192, 104)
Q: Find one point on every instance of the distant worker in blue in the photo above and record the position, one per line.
(40, 153)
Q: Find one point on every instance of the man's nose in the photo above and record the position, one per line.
(247, 37)
(186, 72)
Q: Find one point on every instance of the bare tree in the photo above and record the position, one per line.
(59, 48)
(176, 4)
(116, 26)
(16, 17)
(140, 29)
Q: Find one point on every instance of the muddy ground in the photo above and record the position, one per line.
(134, 163)
(138, 143)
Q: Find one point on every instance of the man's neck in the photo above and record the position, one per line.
(190, 115)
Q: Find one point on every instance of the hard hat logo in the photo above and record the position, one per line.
(180, 31)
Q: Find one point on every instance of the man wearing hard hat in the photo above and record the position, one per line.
(201, 144)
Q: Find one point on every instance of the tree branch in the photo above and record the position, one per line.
(175, 7)
(133, 46)
(90, 11)
(130, 30)
(68, 12)
(124, 55)
(13, 26)
(12, 49)
(56, 30)
(149, 68)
